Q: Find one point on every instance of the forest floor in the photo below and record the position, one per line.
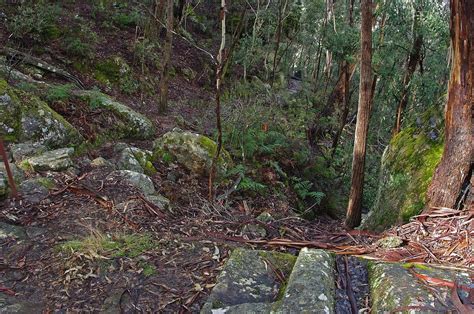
(180, 252)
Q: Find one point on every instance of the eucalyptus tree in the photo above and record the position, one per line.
(354, 208)
(457, 161)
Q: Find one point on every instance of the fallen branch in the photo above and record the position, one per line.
(40, 64)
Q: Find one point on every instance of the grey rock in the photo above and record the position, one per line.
(247, 308)
(3, 185)
(265, 217)
(33, 191)
(127, 161)
(194, 151)
(11, 305)
(101, 162)
(18, 174)
(311, 286)
(24, 117)
(135, 159)
(254, 230)
(21, 151)
(159, 201)
(136, 179)
(7, 230)
(55, 160)
(135, 125)
(247, 278)
(390, 242)
(392, 286)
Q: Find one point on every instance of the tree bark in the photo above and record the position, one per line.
(281, 11)
(221, 60)
(354, 208)
(166, 57)
(458, 155)
(412, 61)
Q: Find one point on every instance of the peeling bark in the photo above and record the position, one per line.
(458, 155)
(354, 208)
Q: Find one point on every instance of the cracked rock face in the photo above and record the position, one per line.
(248, 278)
(55, 160)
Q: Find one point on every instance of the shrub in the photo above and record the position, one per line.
(35, 22)
(80, 39)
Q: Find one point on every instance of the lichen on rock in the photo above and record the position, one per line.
(194, 151)
(24, 117)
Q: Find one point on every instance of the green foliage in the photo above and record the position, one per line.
(37, 22)
(80, 39)
(59, 93)
(126, 19)
(248, 184)
(303, 190)
(98, 245)
(146, 51)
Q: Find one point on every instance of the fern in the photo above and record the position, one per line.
(247, 184)
(303, 190)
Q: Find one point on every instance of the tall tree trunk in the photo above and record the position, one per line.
(281, 11)
(412, 61)
(221, 60)
(458, 156)
(354, 208)
(166, 57)
(347, 70)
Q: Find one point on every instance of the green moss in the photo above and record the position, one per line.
(25, 165)
(46, 182)
(107, 71)
(407, 167)
(282, 262)
(148, 269)
(117, 246)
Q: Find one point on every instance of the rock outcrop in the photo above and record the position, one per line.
(407, 166)
(24, 117)
(132, 124)
(194, 151)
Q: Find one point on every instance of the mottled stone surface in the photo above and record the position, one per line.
(136, 179)
(24, 117)
(21, 151)
(392, 286)
(18, 174)
(247, 308)
(194, 151)
(160, 201)
(134, 159)
(10, 305)
(7, 230)
(249, 277)
(33, 191)
(390, 242)
(55, 160)
(101, 162)
(311, 286)
(3, 185)
(132, 124)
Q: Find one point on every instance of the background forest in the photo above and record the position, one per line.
(113, 111)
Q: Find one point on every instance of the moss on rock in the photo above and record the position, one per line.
(24, 117)
(193, 151)
(407, 166)
(131, 124)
